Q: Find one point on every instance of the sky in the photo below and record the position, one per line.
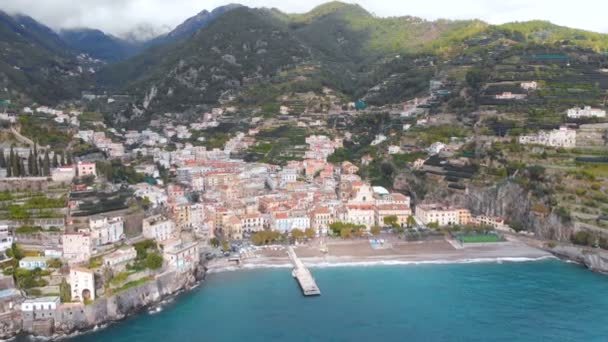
(120, 17)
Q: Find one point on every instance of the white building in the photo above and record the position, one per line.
(106, 230)
(562, 137)
(158, 228)
(507, 95)
(436, 148)
(40, 308)
(82, 284)
(394, 149)
(63, 173)
(183, 256)
(586, 112)
(532, 85)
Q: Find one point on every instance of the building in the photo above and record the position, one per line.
(359, 214)
(86, 169)
(63, 174)
(183, 256)
(32, 263)
(77, 247)
(82, 284)
(401, 211)
(507, 95)
(121, 256)
(106, 230)
(532, 85)
(158, 228)
(252, 223)
(562, 137)
(586, 112)
(320, 219)
(436, 148)
(442, 215)
(39, 308)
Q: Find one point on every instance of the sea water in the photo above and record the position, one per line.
(512, 301)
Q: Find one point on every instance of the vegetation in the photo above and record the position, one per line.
(346, 230)
(267, 237)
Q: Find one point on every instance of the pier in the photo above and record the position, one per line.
(303, 276)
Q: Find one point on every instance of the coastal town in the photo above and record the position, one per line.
(250, 138)
(71, 235)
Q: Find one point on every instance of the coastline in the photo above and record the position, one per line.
(352, 255)
(340, 254)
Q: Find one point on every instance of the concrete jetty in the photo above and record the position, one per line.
(303, 276)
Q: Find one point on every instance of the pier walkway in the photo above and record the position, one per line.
(303, 276)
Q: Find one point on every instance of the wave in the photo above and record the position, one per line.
(368, 263)
(424, 262)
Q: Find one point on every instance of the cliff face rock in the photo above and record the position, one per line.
(594, 259)
(510, 201)
(122, 304)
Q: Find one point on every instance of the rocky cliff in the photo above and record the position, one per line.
(510, 201)
(127, 302)
(73, 318)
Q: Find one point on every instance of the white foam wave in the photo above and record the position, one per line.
(424, 262)
(368, 263)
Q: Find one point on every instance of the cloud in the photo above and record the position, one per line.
(122, 16)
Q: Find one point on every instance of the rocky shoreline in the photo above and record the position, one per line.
(74, 319)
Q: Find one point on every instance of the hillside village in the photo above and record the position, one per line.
(115, 190)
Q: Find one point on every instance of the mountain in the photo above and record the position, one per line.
(36, 64)
(99, 45)
(241, 47)
(191, 26)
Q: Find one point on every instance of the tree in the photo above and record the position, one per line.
(13, 163)
(376, 230)
(225, 246)
(55, 160)
(30, 164)
(65, 293)
(297, 234)
(2, 160)
(391, 220)
(310, 233)
(37, 164)
(14, 252)
(411, 221)
(46, 164)
(62, 158)
(154, 261)
(70, 160)
(215, 242)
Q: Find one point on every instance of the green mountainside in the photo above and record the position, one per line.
(35, 63)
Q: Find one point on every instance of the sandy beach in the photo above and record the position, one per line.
(394, 251)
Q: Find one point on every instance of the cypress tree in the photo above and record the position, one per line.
(21, 167)
(62, 159)
(2, 159)
(30, 164)
(40, 167)
(46, 164)
(70, 161)
(55, 161)
(13, 163)
(9, 171)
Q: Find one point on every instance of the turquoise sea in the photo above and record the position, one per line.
(531, 301)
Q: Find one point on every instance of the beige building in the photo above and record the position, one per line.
(401, 211)
(121, 256)
(86, 169)
(77, 247)
(82, 284)
(320, 219)
(442, 215)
